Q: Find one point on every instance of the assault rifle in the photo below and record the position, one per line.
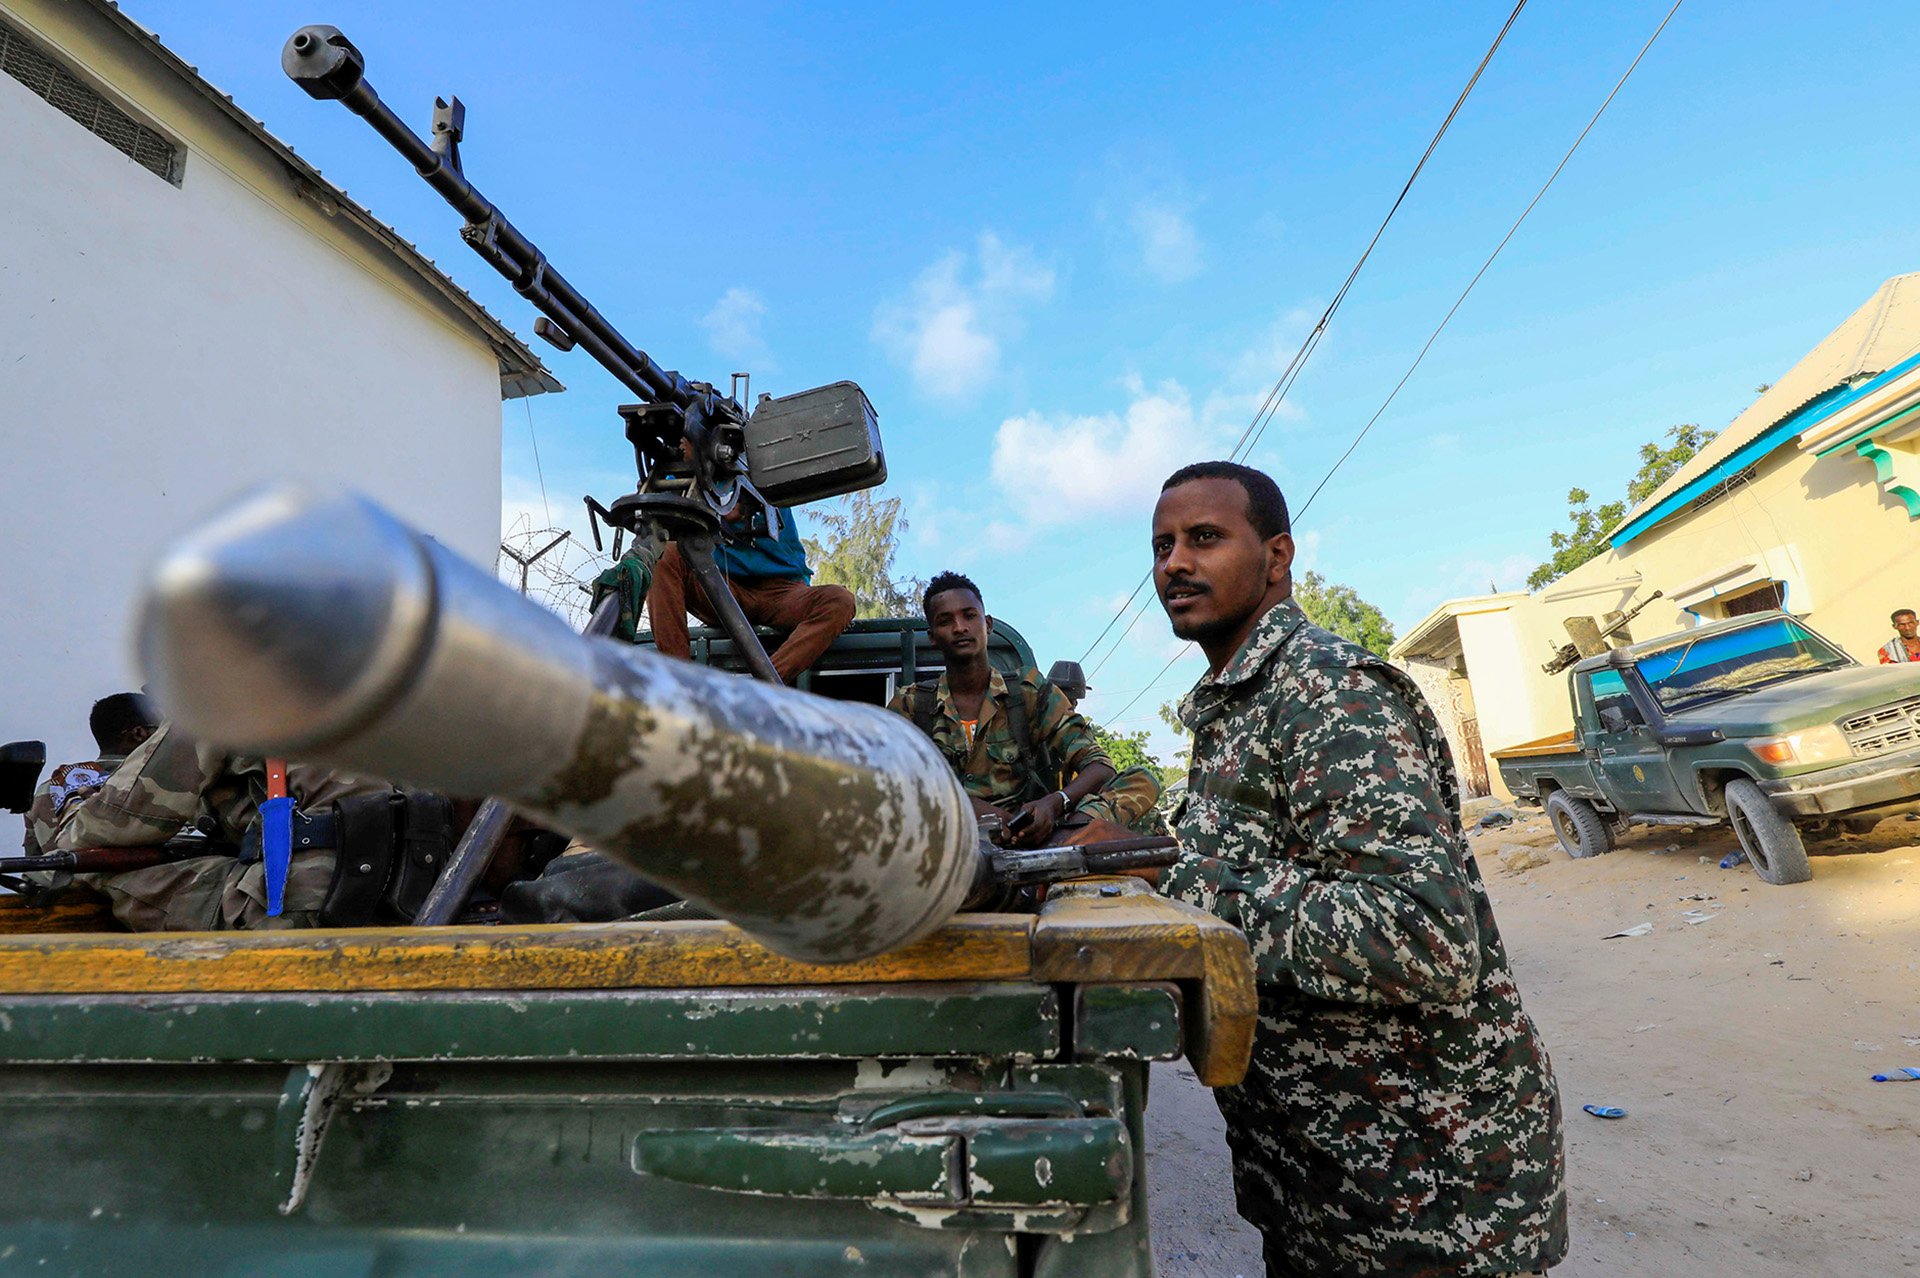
(707, 467)
(64, 865)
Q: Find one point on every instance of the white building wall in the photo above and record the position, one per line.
(162, 348)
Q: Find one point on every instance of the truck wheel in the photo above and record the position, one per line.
(1770, 840)
(1578, 827)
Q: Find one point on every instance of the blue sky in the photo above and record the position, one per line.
(1066, 249)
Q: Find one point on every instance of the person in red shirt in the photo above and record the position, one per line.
(1906, 645)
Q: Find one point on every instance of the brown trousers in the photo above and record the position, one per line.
(815, 614)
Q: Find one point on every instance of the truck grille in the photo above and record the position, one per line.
(1894, 727)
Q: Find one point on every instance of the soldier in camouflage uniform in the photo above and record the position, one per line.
(1400, 1116)
(971, 714)
(119, 723)
(1132, 798)
(161, 789)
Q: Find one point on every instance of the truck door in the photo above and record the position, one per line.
(1631, 766)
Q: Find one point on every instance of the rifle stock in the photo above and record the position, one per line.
(94, 860)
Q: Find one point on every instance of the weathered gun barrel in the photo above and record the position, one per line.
(330, 68)
(321, 627)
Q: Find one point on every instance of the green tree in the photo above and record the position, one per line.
(1588, 525)
(1184, 760)
(1128, 750)
(861, 537)
(1340, 609)
(1583, 538)
(1657, 464)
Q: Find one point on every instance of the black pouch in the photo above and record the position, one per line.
(424, 844)
(392, 847)
(365, 860)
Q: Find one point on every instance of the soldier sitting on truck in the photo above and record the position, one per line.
(1132, 798)
(772, 581)
(1010, 740)
(119, 722)
(361, 852)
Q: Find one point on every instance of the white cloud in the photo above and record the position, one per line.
(1169, 246)
(1058, 468)
(1306, 556)
(963, 308)
(733, 328)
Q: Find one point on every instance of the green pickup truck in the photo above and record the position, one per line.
(1757, 722)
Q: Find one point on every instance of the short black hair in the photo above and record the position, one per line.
(1902, 612)
(1266, 506)
(945, 581)
(114, 716)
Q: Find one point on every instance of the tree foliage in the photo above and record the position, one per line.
(1340, 609)
(862, 534)
(1170, 716)
(1127, 750)
(1588, 525)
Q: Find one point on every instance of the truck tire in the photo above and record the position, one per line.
(1770, 840)
(1578, 827)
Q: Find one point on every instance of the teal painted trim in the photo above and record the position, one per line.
(1866, 433)
(1811, 414)
(1883, 472)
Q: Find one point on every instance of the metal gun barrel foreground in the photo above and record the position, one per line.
(321, 627)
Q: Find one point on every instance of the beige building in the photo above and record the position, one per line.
(1807, 501)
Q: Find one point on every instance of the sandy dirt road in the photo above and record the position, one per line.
(1741, 1046)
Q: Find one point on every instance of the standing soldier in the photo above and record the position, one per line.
(1400, 1116)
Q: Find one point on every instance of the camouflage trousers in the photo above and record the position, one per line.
(1341, 1190)
(215, 894)
(1127, 800)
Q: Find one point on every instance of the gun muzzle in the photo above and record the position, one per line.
(322, 628)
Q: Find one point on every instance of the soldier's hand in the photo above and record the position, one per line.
(1035, 821)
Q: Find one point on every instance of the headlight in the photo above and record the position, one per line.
(1824, 744)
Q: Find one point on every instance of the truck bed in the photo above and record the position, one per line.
(1559, 743)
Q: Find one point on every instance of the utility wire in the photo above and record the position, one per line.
(1270, 405)
(1486, 265)
(1451, 311)
(525, 402)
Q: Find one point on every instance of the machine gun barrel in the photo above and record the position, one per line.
(322, 628)
(329, 67)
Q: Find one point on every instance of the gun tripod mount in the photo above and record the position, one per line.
(655, 519)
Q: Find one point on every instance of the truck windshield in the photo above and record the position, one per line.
(1735, 661)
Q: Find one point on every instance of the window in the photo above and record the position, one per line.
(1610, 693)
(1768, 597)
(141, 143)
(1729, 663)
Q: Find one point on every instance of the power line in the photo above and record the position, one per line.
(1486, 265)
(525, 402)
(1270, 406)
(1458, 302)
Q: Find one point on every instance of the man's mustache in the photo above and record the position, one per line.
(1185, 583)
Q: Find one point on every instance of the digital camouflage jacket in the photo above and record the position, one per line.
(990, 769)
(1400, 1116)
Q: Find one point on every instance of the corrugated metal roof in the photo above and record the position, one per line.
(521, 372)
(1871, 340)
